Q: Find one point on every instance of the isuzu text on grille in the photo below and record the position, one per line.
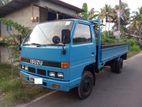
(36, 62)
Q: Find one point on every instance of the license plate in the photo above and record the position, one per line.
(36, 80)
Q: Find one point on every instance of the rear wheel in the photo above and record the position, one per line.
(117, 65)
(86, 86)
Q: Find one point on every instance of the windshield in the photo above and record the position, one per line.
(43, 34)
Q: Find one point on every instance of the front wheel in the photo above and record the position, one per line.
(86, 86)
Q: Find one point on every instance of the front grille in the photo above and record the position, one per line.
(45, 63)
(52, 64)
(41, 72)
(32, 70)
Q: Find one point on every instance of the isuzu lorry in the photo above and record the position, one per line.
(66, 54)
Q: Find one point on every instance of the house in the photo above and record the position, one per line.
(31, 12)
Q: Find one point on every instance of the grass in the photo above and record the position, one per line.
(132, 53)
(13, 90)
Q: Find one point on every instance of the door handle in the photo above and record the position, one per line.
(92, 53)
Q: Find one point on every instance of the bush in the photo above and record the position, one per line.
(15, 39)
(108, 39)
(134, 45)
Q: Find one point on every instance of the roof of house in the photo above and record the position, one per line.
(18, 4)
(78, 10)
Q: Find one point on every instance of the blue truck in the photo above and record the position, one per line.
(66, 54)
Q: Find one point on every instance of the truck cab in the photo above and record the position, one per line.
(65, 54)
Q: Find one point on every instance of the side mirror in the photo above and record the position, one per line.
(66, 36)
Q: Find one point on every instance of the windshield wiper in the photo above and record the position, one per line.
(53, 45)
(40, 45)
(36, 44)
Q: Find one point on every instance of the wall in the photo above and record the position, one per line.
(23, 17)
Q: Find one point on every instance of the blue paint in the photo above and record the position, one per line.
(78, 56)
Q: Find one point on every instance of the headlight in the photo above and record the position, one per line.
(22, 67)
(52, 74)
(56, 74)
(60, 75)
(26, 68)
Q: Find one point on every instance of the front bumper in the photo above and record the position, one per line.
(48, 83)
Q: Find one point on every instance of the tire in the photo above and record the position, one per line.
(121, 63)
(116, 66)
(113, 63)
(86, 85)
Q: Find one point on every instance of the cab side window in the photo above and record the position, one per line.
(82, 34)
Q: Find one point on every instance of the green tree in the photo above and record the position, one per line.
(88, 14)
(84, 14)
(15, 39)
(136, 23)
(125, 10)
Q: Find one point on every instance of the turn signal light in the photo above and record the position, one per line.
(55, 86)
(65, 65)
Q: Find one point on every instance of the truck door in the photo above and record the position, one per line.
(82, 50)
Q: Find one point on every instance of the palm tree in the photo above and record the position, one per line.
(124, 18)
(125, 13)
(107, 14)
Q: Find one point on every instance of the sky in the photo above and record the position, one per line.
(97, 4)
